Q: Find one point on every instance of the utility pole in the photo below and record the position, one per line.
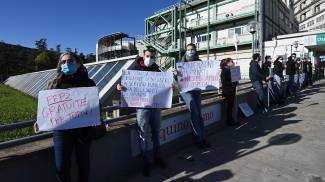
(261, 27)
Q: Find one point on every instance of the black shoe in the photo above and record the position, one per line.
(206, 144)
(146, 169)
(160, 162)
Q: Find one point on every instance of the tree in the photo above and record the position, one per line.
(58, 48)
(68, 49)
(90, 58)
(42, 61)
(41, 44)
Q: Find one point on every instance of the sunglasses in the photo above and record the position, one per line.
(67, 61)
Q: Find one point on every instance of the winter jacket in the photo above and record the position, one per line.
(290, 67)
(255, 72)
(228, 87)
(278, 68)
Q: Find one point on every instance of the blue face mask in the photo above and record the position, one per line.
(69, 68)
(190, 53)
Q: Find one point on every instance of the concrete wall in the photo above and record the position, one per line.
(111, 156)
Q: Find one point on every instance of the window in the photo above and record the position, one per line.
(202, 38)
(302, 17)
(281, 15)
(303, 4)
(320, 18)
(317, 8)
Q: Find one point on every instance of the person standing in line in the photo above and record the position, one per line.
(298, 73)
(228, 89)
(291, 71)
(193, 103)
(304, 75)
(257, 76)
(71, 73)
(146, 117)
(268, 71)
(310, 72)
(278, 77)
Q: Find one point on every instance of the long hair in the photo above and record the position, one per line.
(59, 74)
(224, 62)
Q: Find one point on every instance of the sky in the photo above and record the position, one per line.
(73, 23)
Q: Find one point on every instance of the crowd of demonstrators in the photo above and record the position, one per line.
(148, 117)
(71, 74)
(299, 73)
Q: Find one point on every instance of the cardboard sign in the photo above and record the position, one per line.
(198, 75)
(246, 109)
(235, 73)
(146, 89)
(60, 109)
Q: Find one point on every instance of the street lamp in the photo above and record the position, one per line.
(251, 28)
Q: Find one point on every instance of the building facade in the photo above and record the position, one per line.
(215, 27)
(310, 14)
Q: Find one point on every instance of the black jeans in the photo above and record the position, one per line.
(64, 144)
(230, 98)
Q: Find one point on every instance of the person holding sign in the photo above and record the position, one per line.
(193, 102)
(228, 88)
(148, 117)
(70, 74)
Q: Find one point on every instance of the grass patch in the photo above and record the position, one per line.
(16, 106)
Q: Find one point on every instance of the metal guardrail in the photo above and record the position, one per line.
(41, 136)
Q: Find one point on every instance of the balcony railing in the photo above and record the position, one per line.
(226, 15)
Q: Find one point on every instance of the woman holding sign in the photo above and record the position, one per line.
(193, 102)
(71, 73)
(228, 88)
(148, 117)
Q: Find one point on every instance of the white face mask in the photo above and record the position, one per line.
(148, 61)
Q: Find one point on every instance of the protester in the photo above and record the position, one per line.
(257, 76)
(310, 72)
(228, 89)
(304, 75)
(291, 71)
(71, 73)
(193, 102)
(298, 73)
(146, 117)
(278, 77)
(268, 71)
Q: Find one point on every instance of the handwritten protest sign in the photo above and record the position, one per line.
(146, 89)
(198, 75)
(235, 73)
(60, 109)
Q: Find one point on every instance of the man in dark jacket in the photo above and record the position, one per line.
(304, 75)
(278, 76)
(310, 72)
(257, 76)
(291, 71)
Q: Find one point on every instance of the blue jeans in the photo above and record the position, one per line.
(64, 144)
(272, 89)
(291, 84)
(193, 103)
(302, 80)
(297, 81)
(146, 117)
(258, 86)
(278, 85)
